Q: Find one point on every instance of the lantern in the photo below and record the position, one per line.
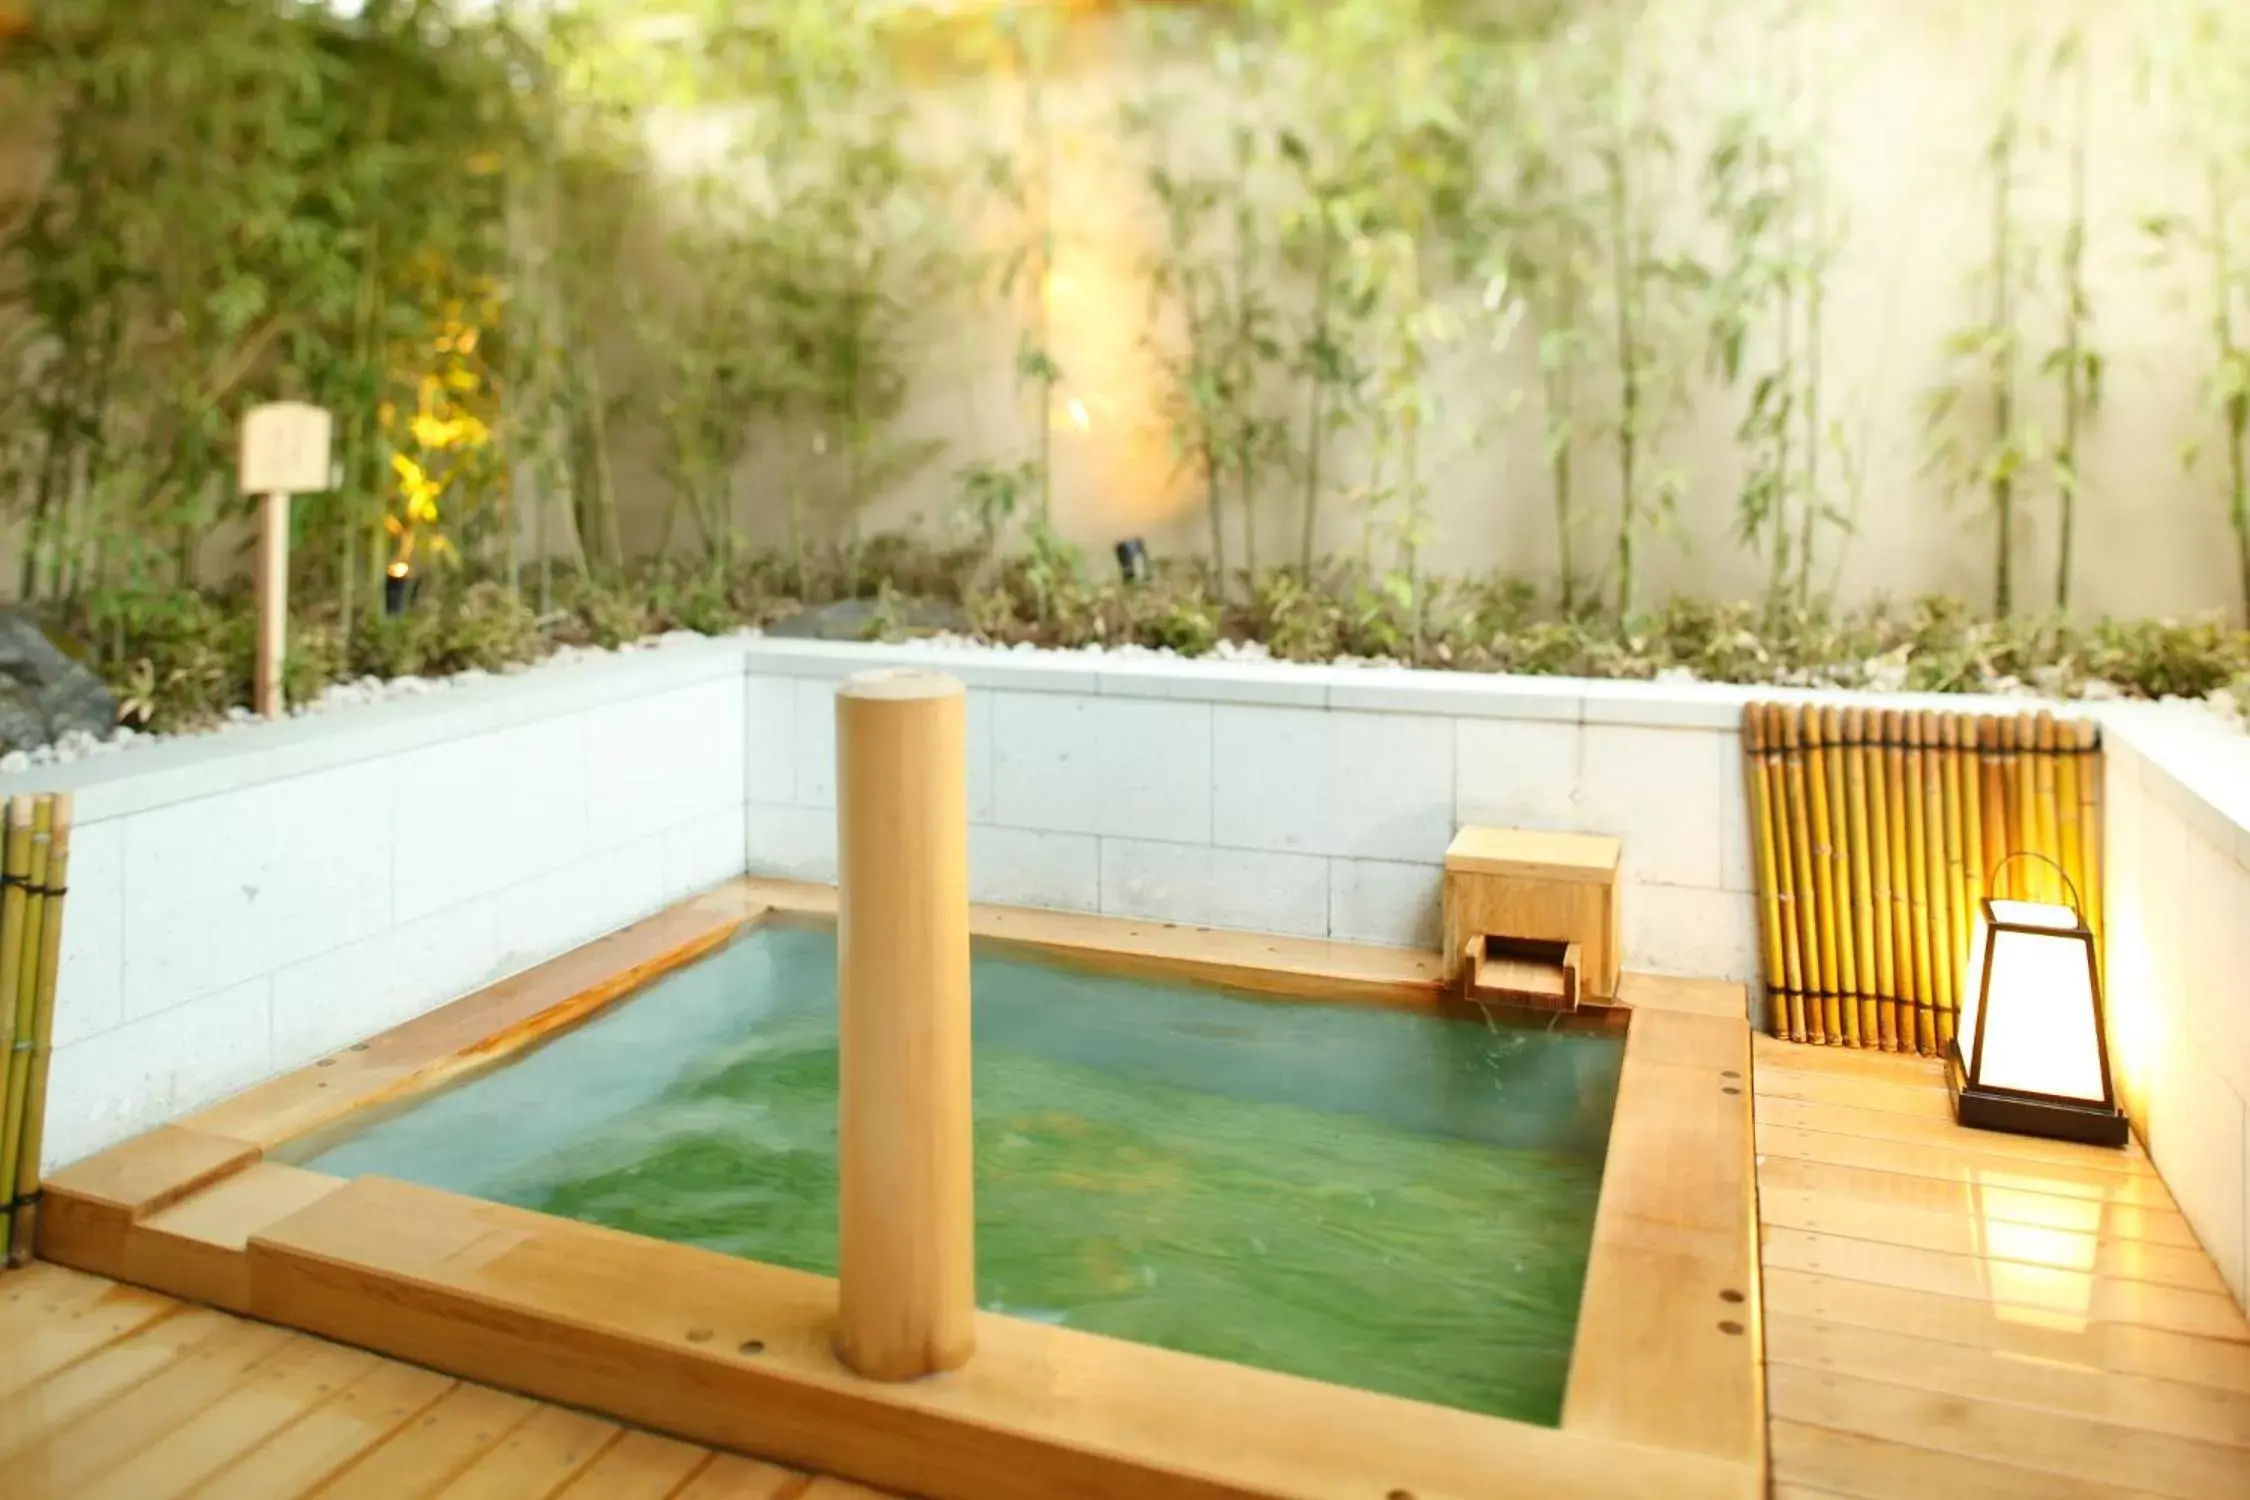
(2031, 1055)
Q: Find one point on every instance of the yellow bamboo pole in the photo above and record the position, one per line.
(1992, 799)
(1956, 872)
(1879, 894)
(1840, 880)
(2064, 759)
(1801, 855)
(1760, 789)
(27, 823)
(1785, 873)
(23, 1239)
(906, 1241)
(1972, 825)
(1824, 873)
(1940, 917)
(2043, 785)
(2027, 807)
(1904, 919)
(1863, 887)
(2093, 771)
(1918, 887)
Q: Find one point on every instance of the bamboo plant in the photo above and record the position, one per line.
(1983, 438)
(2205, 63)
(1650, 294)
(1766, 193)
(2076, 363)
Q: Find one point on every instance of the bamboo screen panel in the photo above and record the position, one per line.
(35, 851)
(1875, 834)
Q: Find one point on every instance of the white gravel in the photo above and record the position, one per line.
(1882, 674)
(337, 696)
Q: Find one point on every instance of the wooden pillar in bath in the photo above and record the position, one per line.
(906, 1258)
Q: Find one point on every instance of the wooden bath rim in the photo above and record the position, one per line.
(1664, 1396)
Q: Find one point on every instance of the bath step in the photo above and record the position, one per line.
(173, 1210)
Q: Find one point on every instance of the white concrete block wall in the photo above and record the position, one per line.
(241, 904)
(1309, 801)
(2178, 880)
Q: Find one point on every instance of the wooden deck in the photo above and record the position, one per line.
(1947, 1313)
(108, 1392)
(1951, 1312)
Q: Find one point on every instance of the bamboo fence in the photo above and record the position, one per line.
(34, 875)
(1874, 832)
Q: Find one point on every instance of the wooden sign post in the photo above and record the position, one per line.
(284, 452)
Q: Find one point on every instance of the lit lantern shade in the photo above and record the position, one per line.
(2030, 1055)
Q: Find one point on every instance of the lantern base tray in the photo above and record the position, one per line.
(2017, 1114)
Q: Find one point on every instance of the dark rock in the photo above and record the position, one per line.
(866, 619)
(44, 695)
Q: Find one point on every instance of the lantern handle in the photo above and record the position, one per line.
(2077, 902)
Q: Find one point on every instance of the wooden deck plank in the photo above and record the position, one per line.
(278, 1392)
(2000, 1200)
(2141, 1402)
(38, 1410)
(548, 1451)
(66, 1460)
(2023, 1437)
(1966, 1234)
(1922, 1100)
(1865, 1468)
(1940, 1131)
(2070, 1294)
(434, 1448)
(1958, 1164)
(641, 1466)
(35, 1295)
(728, 1477)
(310, 1451)
(1769, 1051)
(2020, 1332)
(72, 1329)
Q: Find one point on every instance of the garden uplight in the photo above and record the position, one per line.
(2031, 1056)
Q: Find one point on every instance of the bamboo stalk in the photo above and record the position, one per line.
(2093, 772)
(1785, 872)
(1778, 981)
(1800, 844)
(1992, 799)
(23, 1238)
(1940, 905)
(2025, 805)
(2043, 785)
(1824, 872)
(1840, 878)
(15, 897)
(1863, 889)
(1918, 887)
(1956, 874)
(1904, 919)
(1879, 869)
(1972, 823)
(1793, 894)
(2068, 850)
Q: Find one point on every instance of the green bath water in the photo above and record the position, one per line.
(1357, 1195)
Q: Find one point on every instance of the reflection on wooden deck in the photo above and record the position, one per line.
(112, 1393)
(1957, 1313)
